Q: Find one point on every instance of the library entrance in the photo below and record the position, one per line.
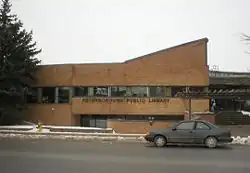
(99, 121)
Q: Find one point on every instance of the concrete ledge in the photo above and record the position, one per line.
(82, 136)
(69, 133)
(25, 128)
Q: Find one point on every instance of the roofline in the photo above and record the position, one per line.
(229, 77)
(168, 49)
(44, 65)
(229, 72)
(143, 56)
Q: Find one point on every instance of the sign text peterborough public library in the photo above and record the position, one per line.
(125, 100)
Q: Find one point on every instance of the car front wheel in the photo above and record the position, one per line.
(160, 141)
(211, 142)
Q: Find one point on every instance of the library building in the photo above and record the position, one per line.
(130, 97)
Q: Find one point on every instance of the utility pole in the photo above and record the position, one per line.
(190, 108)
(188, 96)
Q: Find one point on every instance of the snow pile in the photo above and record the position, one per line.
(75, 127)
(70, 137)
(245, 113)
(21, 127)
(43, 130)
(48, 128)
(241, 140)
(26, 127)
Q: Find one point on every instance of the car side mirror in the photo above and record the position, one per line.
(174, 129)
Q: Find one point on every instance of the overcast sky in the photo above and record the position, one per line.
(84, 31)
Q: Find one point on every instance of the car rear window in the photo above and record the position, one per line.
(212, 125)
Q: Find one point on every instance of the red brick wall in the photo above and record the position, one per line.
(206, 117)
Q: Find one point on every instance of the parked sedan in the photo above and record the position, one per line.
(190, 132)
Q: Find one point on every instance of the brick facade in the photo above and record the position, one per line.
(183, 65)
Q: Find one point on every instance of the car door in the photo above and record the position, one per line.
(183, 133)
(201, 131)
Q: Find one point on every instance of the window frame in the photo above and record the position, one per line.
(76, 90)
(209, 128)
(176, 127)
(118, 91)
(30, 95)
(130, 91)
(163, 92)
(61, 98)
(45, 99)
(95, 90)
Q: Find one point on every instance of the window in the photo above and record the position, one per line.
(198, 89)
(158, 91)
(168, 117)
(99, 91)
(32, 95)
(116, 117)
(175, 90)
(136, 117)
(63, 95)
(185, 126)
(48, 95)
(202, 126)
(136, 92)
(80, 91)
(118, 91)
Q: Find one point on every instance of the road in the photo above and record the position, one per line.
(52, 156)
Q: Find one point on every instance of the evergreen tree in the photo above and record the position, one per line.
(17, 64)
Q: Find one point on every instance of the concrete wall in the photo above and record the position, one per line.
(137, 126)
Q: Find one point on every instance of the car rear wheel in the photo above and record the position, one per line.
(211, 142)
(160, 141)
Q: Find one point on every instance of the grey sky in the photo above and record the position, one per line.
(80, 31)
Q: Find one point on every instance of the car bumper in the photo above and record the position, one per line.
(149, 138)
(225, 140)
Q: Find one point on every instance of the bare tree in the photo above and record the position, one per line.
(246, 39)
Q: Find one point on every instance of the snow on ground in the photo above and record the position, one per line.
(25, 127)
(16, 131)
(47, 128)
(70, 137)
(241, 140)
(97, 136)
(77, 127)
(54, 127)
(34, 129)
(34, 132)
(245, 113)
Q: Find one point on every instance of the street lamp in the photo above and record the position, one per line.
(151, 120)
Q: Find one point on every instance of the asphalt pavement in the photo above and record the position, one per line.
(59, 156)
